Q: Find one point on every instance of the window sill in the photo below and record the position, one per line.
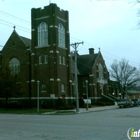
(62, 48)
(37, 47)
(43, 91)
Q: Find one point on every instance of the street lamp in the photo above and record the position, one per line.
(38, 96)
(120, 95)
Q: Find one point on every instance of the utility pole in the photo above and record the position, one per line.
(87, 93)
(75, 46)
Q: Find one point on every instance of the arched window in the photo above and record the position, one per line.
(40, 59)
(60, 60)
(14, 65)
(62, 88)
(63, 60)
(61, 36)
(101, 72)
(46, 59)
(42, 34)
(43, 88)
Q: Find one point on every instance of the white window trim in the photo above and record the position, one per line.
(61, 36)
(101, 71)
(42, 34)
(62, 88)
(60, 59)
(43, 88)
(40, 60)
(64, 62)
(14, 65)
(46, 59)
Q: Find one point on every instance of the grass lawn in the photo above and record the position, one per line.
(24, 111)
(96, 106)
(65, 112)
(34, 111)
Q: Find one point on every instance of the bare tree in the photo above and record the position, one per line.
(127, 76)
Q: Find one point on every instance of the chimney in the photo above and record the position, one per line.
(91, 50)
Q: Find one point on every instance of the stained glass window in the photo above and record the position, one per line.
(42, 34)
(61, 36)
(14, 65)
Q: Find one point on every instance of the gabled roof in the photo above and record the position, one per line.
(26, 41)
(85, 63)
(133, 92)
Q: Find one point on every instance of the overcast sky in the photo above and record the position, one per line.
(110, 25)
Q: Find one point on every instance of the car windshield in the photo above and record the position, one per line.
(126, 100)
(134, 99)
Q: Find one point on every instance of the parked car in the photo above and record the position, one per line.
(125, 103)
(132, 103)
(136, 102)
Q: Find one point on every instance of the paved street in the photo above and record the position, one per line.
(102, 125)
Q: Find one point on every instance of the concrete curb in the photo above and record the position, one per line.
(81, 110)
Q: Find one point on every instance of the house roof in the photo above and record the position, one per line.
(85, 63)
(26, 41)
(133, 92)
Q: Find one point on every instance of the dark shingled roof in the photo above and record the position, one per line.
(85, 63)
(26, 41)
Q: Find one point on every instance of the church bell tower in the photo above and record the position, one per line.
(51, 50)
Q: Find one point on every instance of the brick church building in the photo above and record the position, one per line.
(46, 58)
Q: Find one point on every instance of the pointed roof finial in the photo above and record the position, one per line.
(14, 27)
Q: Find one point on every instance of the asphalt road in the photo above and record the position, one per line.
(103, 125)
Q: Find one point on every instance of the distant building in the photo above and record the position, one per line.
(133, 94)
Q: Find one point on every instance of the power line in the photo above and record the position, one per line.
(5, 24)
(52, 57)
(70, 37)
(14, 24)
(22, 28)
(15, 17)
(29, 31)
(17, 28)
(106, 57)
(113, 56)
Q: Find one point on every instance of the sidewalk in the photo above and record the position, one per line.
(82, 110)
(95, 109)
